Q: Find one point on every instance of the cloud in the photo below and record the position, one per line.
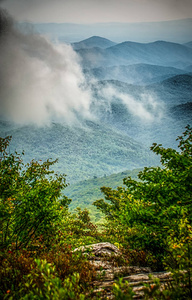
(42, 81)
(39, 81)
(145, 107)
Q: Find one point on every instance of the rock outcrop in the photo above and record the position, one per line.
(104, 257)
(99, 250)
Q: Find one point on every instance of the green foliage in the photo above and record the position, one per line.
(122, 290)
(43, 283)
(43, 280)
(51, 274)
(38, 233)
(179, 259)
(149, 219)
(31, 202)
(147, 211)
(172, 289)
(84, 193)
(77, 229)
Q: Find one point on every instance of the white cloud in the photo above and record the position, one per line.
(40, 81)
(146, 108)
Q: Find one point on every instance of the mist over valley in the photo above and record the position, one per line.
(97, 105)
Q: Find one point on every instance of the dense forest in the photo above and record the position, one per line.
(149, 218)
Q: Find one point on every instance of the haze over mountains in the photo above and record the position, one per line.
(133, 62)
(92, 42)
(178, 31)
(139, 79)
(156, 75)
(126, 53)
(137, 93)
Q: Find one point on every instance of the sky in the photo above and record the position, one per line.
(96, 11)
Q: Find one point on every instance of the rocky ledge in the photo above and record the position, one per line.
(103, 256)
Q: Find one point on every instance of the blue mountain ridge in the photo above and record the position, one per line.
(157, 53)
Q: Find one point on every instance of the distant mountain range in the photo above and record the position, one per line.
(170, 95)
(157, 53)
(141, 93)
(178, 31)
(117, 140)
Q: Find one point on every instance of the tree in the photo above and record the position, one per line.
(147, 210)
(31, 200)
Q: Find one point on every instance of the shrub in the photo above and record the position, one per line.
(144, 213)
(31, 202)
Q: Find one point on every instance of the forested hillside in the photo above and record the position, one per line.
(93, 149)
(84, 193)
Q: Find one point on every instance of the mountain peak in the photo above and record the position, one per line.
(93, 41)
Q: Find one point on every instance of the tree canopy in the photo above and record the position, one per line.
(30, 198)
(149, 209)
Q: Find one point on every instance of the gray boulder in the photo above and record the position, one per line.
(96, 251)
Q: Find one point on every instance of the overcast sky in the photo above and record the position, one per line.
(93, 11)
